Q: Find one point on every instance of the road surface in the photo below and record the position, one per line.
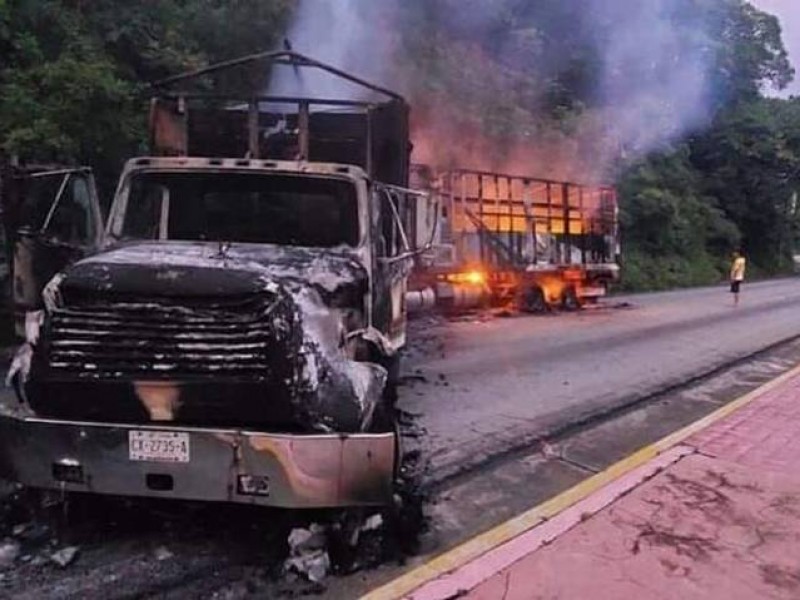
(490, 385)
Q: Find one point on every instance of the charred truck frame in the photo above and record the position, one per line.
(534, 242)
(235, 336)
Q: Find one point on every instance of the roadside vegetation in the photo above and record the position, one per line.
(522, 74)
(733, 186)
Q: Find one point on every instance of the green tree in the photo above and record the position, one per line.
(62, 97)
(515, 73)
(673, 235)
(731, 185)
(751, 162)
(74, 75)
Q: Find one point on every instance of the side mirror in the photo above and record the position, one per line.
(392, 194)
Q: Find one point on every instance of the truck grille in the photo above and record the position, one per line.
(167, 338)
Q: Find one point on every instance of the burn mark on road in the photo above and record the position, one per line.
(692, 546)
(780, 576)
(715, 505)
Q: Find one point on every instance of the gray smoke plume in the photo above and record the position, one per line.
(349, 34)
(651, 81)
(655, 84)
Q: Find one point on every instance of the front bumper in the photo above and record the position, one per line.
(291, 471)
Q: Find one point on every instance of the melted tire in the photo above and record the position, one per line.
(532, 300)
(405, 519)
(570, 301)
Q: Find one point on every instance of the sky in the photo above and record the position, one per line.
(788, 11)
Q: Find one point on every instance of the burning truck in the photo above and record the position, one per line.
(526, 241)
(233, 335)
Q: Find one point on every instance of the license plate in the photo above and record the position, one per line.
(159, 446)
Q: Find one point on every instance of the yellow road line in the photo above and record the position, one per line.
(483, 543)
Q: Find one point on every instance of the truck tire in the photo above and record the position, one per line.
(569, 300)
(532, 300)
(404, 519)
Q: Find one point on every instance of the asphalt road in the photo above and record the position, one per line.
(491, 385)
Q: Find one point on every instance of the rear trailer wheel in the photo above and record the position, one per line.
(532, 300)
(569, 300)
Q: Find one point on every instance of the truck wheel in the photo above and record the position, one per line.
(406, 520)
(569, 300)
(533, 300)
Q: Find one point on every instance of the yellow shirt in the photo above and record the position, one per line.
(738, 268)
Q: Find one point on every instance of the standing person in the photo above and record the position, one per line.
(737, 275)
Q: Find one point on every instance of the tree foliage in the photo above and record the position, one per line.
(743, 170)
(73, 75)
(73, 79)
(751, 162)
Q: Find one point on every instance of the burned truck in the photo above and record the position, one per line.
(236, 336)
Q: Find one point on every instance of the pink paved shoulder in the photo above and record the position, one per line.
(702, 529)
(722, 520)
(765, 433)
(475, 572)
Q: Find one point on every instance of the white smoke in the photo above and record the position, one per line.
(347, 34)
(654, 60)
(656, 80)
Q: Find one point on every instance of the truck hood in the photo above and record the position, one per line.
(201, 269)
(297, 298)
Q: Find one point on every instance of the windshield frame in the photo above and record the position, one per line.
(116, 222)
